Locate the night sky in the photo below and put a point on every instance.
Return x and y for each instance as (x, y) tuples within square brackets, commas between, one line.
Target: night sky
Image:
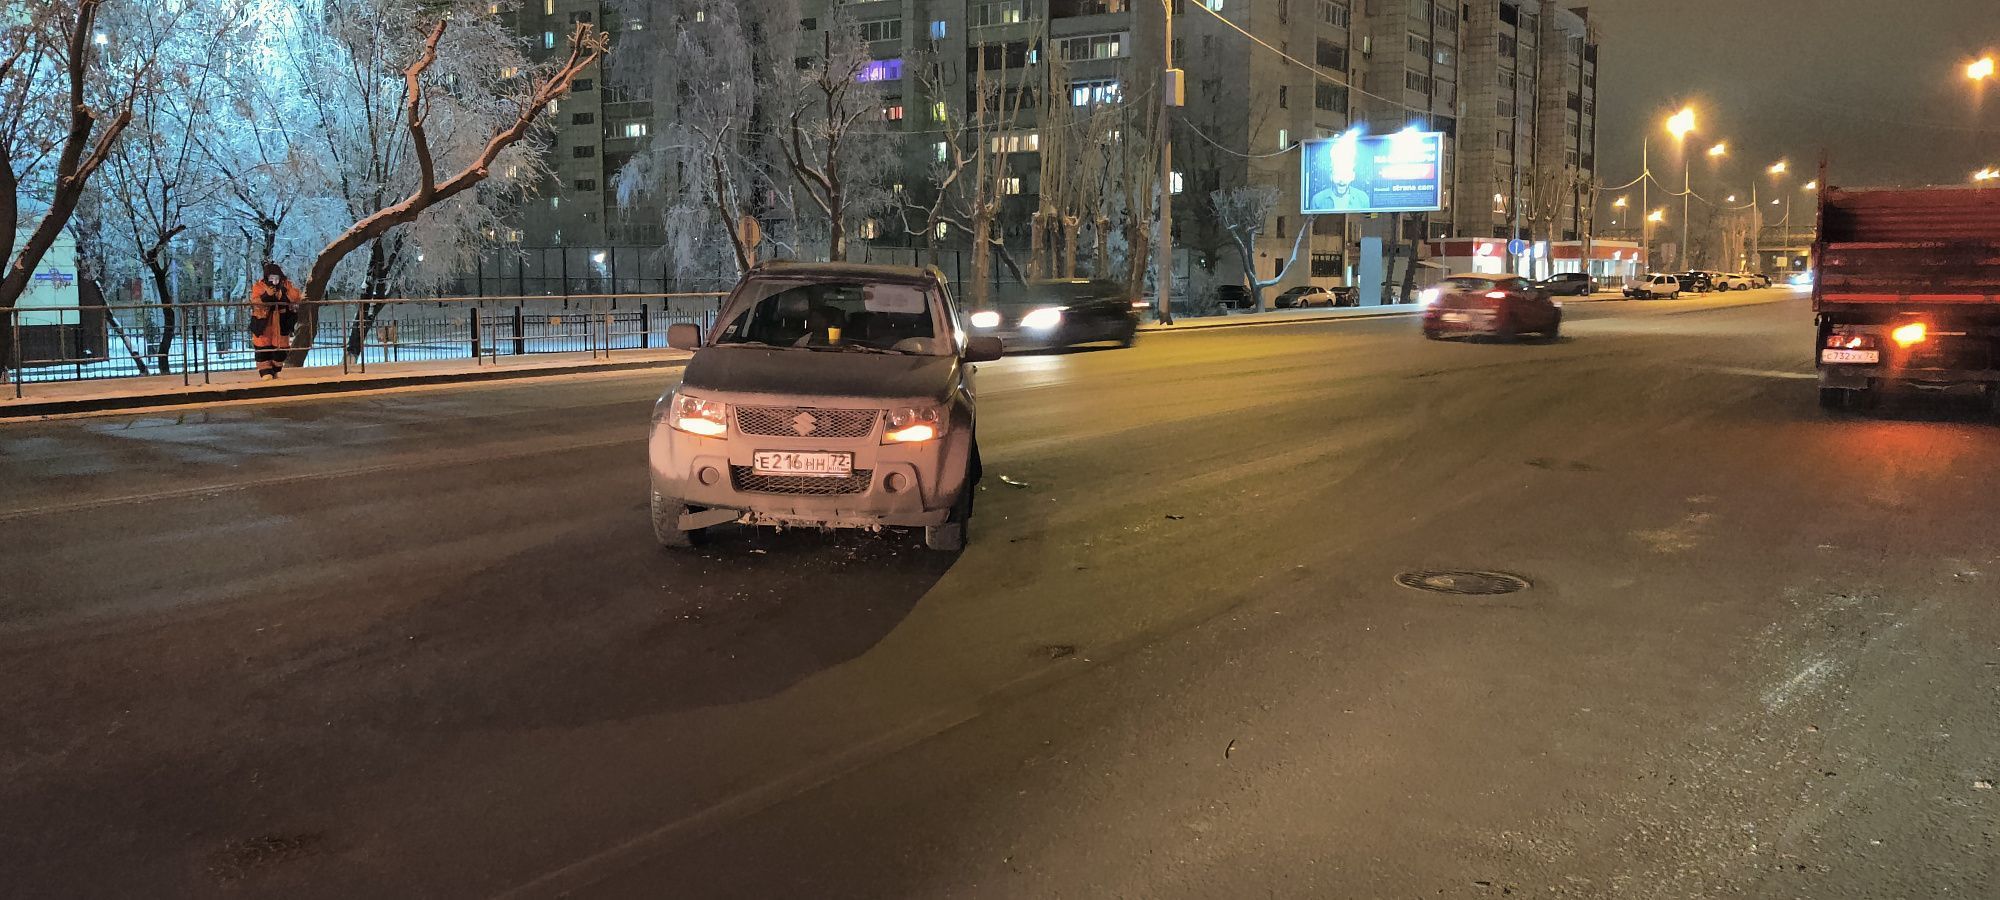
[(1879, 85)]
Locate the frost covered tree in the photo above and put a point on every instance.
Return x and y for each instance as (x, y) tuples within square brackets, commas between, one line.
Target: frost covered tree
[(1241, 212), (835, 142), (66, 97), (155, 186), (709, 161), (429, 118)]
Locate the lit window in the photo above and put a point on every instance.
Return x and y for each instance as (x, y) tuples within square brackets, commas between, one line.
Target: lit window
[(548, 7), (943, 228), (940, 112), (1010, 185), (548, 40), (555, 202), (1284, 138), (942, 150), (870, 229), (701, 15), (637, 129), (1176, 182), (892, 113), (881, 70), (1094, 92), (492, 9), (937, 29), (510, 71), (1214, 5)]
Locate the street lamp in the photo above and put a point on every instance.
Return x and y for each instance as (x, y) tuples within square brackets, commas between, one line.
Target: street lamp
[(1980, 69), (1780, 167), (1812, 186), (1679, 125), (1619, 203), (1721, 149), (1658, 215)]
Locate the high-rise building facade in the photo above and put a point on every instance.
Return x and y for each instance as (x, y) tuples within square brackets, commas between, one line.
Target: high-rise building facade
[(1511, 84)]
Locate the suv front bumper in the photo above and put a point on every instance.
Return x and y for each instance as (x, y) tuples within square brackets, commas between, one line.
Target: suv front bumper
[(892, 485)]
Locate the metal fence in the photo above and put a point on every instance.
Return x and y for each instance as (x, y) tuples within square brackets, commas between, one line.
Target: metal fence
[(199, 340)]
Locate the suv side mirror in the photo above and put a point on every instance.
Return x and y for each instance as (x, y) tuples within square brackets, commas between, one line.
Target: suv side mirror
[(684, 336), (982, 349)]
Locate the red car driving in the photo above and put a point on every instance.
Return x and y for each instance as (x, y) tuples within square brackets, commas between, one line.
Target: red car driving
[(1505, 306)]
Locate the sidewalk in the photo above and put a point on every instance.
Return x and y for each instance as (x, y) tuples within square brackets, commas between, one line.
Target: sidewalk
[(1285, 317), (159, 391), (55, 398)]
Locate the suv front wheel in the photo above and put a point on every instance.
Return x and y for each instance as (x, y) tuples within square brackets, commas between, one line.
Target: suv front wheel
[(667, 512), (950, 536)]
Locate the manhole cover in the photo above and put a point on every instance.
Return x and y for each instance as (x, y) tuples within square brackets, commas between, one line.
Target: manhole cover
[(1481, 583)]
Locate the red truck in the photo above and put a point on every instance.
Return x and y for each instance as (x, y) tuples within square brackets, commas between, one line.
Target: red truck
[(1906, 290)]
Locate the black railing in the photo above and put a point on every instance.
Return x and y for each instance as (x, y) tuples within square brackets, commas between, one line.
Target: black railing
[(199, 340)]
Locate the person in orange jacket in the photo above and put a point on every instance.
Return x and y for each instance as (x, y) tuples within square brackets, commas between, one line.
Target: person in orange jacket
[(274, 310)]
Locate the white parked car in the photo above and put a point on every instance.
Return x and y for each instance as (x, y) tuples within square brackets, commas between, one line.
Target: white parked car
[(1654, 287), (1734, 281)]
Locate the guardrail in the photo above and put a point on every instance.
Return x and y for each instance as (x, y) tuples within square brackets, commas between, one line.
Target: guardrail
[(199, 340)]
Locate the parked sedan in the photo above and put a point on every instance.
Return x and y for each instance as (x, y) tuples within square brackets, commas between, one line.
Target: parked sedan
[(1569, 284), (1696, 282), (1306, 296), (1503, 306), (1064, 312), (1759, 279), (1734, 281)]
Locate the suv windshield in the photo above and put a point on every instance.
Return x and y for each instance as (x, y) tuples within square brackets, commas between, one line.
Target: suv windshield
[(836, 315)]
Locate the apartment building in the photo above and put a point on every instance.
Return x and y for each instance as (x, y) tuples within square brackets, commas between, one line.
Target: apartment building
[(1511, 84)]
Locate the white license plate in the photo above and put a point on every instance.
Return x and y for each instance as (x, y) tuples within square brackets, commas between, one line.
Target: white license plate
[(1457, 317), (787, 462), (1850, 356)]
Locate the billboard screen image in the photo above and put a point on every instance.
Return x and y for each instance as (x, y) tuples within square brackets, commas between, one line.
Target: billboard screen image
[(1401, 172)]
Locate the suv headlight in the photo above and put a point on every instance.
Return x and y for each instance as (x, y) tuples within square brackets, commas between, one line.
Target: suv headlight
[(986, 318), (913, 425), (1046, 317), (707, 418)]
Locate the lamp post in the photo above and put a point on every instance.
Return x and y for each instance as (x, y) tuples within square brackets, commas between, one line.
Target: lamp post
[(1163, 268), (1679, 125)]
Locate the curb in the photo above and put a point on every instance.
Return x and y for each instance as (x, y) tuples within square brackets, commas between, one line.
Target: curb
[(1203, 323), (26, 409)]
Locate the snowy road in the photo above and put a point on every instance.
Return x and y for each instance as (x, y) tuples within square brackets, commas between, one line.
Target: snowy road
[(420, 643)]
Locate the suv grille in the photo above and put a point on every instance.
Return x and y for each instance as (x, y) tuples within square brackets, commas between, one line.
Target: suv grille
[(747, 479), (795, 421)]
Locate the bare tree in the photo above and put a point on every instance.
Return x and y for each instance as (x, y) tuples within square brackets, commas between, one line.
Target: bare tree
[(474, 136), (154, 182), (830, 128), (1242, 212), (53, 47)]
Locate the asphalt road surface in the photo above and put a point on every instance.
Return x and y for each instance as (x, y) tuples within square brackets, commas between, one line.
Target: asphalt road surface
[(422, 644)]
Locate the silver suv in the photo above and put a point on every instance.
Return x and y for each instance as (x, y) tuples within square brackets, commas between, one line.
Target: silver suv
[(831, 395)]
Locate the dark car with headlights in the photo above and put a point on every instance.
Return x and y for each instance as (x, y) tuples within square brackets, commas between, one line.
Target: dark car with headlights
[(1064, 312), (831, 395)]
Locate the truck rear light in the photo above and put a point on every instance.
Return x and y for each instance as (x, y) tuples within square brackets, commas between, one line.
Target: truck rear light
[(1841, 340), (1910, 335)]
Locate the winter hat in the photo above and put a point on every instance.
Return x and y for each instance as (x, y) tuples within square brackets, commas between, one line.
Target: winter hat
[(271, 268)]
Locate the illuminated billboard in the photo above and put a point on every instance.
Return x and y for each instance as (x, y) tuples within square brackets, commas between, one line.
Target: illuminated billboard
[(1401, 172)]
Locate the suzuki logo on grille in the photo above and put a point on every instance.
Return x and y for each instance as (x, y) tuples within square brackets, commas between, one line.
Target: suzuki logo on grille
[(804, 423)]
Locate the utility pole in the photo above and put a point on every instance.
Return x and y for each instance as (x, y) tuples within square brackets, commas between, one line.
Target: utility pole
[(1686, 262), (1646, 204), (1170, 96), (1756, 230)]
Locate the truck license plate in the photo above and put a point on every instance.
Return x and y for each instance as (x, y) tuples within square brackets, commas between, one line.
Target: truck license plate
[(787, 462), (1850, 356)]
